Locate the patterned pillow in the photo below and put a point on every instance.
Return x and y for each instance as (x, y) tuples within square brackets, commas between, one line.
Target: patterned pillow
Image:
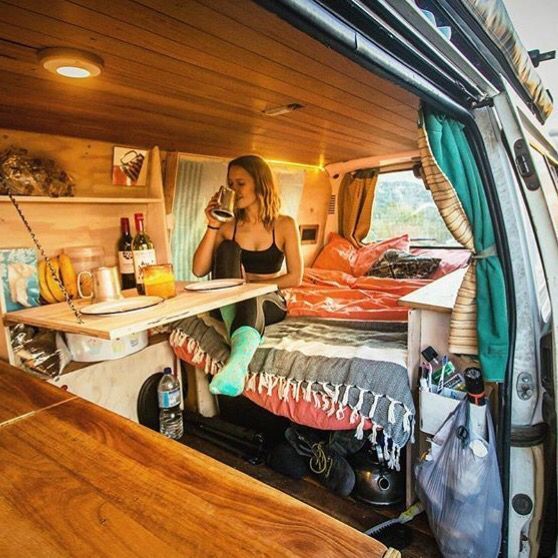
[(399, 264), (368, 254)]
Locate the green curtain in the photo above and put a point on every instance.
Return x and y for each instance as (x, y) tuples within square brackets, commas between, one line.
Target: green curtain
[(454, 157)]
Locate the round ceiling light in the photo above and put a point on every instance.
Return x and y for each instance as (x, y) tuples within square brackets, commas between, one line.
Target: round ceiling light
[(70, 62)]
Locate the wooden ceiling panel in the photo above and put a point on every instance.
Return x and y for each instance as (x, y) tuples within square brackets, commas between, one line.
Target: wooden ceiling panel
[(195, 76), (123, 89), (385, 122)]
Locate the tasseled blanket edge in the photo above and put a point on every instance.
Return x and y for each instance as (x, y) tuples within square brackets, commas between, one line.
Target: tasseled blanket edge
[(189, 350), (328, 400)]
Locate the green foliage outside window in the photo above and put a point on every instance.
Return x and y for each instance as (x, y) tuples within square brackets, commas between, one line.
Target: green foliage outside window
[(402, 205)]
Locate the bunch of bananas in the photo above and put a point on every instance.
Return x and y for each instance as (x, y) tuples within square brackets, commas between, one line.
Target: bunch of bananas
[(49, 287)]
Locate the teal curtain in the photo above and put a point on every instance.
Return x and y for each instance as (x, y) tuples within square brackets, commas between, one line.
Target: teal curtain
[(453, 154)]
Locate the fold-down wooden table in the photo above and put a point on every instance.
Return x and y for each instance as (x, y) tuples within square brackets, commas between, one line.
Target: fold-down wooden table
[(187, 303)]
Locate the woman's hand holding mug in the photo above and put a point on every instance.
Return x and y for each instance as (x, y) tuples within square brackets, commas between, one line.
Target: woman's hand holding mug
[(223, 210), (213, 203)]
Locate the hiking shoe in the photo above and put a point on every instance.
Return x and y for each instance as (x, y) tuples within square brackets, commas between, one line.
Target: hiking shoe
[(302, 439), (284, 459), (345, 443), (332, 469)]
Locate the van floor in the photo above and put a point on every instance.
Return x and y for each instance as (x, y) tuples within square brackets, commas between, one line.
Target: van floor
[(415, 541)]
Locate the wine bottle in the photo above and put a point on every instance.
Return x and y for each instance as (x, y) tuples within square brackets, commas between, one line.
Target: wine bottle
[(125, 256), (143, 252)]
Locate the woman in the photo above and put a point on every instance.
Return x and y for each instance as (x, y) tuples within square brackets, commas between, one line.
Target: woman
[(253, 245)]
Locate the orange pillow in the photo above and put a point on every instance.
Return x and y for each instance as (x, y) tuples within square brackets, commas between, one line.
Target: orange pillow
[(368, 255), (338, 254)]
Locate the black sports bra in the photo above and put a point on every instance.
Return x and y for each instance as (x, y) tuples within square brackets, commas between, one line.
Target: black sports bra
[(262, 262)]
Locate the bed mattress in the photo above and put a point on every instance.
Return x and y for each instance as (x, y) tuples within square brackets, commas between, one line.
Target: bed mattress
[(330, 374)]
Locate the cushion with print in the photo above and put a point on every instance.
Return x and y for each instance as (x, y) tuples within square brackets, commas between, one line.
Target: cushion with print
[(399, 264), (368, 254)]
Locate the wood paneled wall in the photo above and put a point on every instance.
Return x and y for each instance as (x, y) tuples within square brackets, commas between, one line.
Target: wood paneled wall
[(313, 209), (60, 226), (60, 223), (89, 162)]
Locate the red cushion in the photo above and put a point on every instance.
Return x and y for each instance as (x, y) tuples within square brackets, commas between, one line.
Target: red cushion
[(338, 254), (305, 412), (367, 255)]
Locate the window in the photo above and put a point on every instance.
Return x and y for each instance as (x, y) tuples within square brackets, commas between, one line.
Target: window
[(402, 205)]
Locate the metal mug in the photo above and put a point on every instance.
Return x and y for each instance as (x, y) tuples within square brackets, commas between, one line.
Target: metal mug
[(105, 284), (131, 163), (225, 205)]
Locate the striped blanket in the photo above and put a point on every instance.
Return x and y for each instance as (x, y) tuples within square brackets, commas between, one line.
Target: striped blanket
[(342, 367)]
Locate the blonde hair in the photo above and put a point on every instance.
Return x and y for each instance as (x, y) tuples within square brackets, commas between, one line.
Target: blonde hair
[(266, 189)]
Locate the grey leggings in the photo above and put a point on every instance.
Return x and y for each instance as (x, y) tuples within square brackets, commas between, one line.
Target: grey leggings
[(255, 312)]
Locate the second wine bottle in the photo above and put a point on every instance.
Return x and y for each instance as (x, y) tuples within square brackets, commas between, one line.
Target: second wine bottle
[(143, 251)]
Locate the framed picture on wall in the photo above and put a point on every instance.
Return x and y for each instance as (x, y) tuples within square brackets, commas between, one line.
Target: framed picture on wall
[(129, 166), (18, 279)]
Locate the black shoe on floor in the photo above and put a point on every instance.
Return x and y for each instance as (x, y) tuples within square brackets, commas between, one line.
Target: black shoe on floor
[(302, 439), (332, 469), (284, 459)]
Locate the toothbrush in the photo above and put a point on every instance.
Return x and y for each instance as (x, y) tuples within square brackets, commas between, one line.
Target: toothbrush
[(404, 517)]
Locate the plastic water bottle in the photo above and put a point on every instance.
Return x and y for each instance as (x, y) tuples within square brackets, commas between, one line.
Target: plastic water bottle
[(170, 414)]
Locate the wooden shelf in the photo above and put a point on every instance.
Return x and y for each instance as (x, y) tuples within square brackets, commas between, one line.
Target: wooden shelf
[(89, 218), (74, 365), (439, 295), (46, 199)]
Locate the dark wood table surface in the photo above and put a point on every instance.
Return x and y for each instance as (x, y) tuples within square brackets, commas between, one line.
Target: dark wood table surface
[(77, 480)]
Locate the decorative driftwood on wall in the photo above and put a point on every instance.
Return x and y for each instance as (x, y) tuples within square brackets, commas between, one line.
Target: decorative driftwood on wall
[(23, 174)]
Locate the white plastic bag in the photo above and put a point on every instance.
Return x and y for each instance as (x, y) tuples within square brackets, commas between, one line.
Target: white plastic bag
[(461, 490)]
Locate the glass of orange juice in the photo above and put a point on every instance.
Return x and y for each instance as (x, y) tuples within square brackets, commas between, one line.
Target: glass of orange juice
[(159, 280)]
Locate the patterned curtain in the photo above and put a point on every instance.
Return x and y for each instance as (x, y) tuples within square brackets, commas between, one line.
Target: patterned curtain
[(355, 199), (463, 334), (479, 322)]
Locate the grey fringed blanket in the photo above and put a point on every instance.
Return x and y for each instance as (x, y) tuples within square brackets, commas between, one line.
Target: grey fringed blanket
[(354, 367)]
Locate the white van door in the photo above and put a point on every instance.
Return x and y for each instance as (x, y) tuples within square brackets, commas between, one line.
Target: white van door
[(533, 389)]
